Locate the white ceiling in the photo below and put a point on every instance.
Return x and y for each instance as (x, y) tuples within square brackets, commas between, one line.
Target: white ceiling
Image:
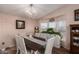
[(20, 9)]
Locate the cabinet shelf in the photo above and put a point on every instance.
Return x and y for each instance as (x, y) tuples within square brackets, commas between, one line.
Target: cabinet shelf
[(74, 38), (76, 44), (75, 32)]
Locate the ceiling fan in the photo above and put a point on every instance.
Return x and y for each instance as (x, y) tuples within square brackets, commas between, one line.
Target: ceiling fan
[(31, 10)]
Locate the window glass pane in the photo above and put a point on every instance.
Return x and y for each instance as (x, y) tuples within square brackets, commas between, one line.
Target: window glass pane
[(43, 26), (52, 24)]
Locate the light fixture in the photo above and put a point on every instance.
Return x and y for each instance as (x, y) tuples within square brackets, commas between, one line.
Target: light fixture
[(31, 10), (51, 19)]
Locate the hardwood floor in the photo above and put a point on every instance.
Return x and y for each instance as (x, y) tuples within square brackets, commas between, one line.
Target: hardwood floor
[(60, 51), (12, 50)]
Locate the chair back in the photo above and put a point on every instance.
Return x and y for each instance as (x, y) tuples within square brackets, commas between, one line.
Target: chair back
[(49, 46), (57, 42), (20, 44)]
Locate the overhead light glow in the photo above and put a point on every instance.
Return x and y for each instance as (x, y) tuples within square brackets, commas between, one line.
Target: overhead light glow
[(31, 10)]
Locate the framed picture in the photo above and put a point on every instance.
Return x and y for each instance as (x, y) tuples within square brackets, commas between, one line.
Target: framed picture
[(76, 14), (20, 24)]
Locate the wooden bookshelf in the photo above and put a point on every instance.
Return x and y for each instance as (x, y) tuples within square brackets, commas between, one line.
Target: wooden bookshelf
[(74, 38)]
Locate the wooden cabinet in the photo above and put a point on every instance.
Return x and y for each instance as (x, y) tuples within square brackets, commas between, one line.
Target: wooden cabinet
[(74, 38)]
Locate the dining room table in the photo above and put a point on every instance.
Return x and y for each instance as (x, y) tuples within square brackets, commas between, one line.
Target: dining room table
[(34, 44)]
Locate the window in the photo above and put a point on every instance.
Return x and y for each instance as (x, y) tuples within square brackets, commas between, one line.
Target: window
[(58, 25), (52, 24), (43, 26), (61, 26)]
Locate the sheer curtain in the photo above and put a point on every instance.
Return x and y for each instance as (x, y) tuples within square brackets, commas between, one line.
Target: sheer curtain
[(61, 27)]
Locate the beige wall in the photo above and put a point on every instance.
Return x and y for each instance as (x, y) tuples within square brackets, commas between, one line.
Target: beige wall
[(8, 29), (67, 12)]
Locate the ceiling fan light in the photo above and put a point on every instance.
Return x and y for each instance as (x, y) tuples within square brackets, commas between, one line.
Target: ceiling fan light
[(29, 12)]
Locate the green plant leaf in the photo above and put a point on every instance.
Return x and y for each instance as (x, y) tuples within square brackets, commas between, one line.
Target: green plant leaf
[(51, 31)]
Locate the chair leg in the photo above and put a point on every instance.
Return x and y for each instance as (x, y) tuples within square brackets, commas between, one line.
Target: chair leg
[(18, 51), (36, 52), (32, 51)]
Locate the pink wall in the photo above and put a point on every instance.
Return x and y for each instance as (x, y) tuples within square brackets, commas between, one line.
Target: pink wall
[(68, 13), (8, 29)]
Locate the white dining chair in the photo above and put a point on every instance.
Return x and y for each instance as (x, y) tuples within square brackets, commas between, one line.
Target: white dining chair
[(49, 46), (20, 44), (57, 42)]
